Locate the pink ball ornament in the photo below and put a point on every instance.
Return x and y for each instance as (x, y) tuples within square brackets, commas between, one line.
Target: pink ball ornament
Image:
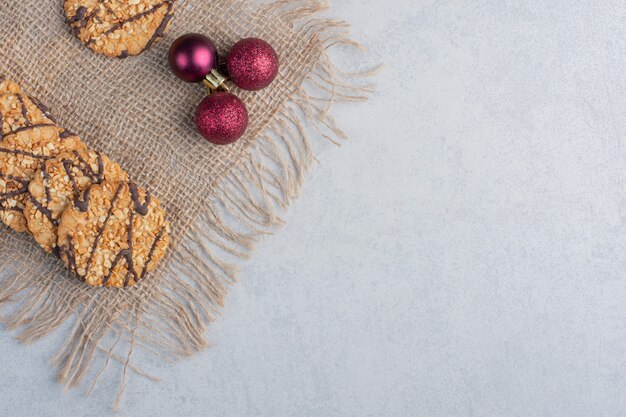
[(221, 118), (252, 64)]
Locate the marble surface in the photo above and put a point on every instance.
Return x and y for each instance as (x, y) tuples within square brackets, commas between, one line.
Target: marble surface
[(463, 255)]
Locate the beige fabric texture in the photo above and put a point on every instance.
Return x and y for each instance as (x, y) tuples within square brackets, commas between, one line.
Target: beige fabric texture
[(219, 200)]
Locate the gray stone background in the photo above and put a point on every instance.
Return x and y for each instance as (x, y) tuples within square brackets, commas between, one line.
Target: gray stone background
[(462, 255)]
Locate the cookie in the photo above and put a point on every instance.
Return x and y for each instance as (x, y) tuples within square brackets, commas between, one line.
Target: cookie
[(116, 237), (7, 86), (119, 28), (21, 153), (20, 112), (59, 182)]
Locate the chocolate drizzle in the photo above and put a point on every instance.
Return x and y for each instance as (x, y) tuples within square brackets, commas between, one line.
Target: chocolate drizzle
[(25, 153), (24, 110), (94, 177), (126, 254), (81, 19), (27, 126), (46, 177), (42, 108), (81, 203), (30, 127), (161, 29), (22, 181), (66, 134), (71, 255), (123, 255), (157, 239), (44, 210), (138, 16), (4, 208), (14, 193), (134, 194)]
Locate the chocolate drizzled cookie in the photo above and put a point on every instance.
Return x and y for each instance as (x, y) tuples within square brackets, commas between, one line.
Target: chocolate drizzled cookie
[(76, 202), (62, 181), (19, 112), (29, 137), (7, 86), (116, 237), (119, 28)]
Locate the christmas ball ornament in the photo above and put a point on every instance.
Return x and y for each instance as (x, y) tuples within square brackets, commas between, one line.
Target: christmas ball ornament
[(252, 64), (192, 57), (221, 118)]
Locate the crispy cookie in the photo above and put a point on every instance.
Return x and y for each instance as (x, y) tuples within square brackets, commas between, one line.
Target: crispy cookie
[(18, 112), (119, 28), (116, 237), (7, 86), (21, 153), (59, 182)]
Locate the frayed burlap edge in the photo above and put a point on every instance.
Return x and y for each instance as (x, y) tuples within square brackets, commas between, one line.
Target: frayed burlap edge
[(246, 204)]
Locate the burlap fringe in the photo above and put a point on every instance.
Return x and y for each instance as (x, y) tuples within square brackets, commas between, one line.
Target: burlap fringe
[(246, 204)]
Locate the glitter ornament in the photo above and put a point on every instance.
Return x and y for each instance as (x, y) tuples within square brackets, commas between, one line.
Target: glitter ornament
[(252, 64), (221, 118)]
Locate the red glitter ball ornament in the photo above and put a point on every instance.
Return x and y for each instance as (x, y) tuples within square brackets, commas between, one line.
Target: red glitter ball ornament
[(252, 64), (221, 118)]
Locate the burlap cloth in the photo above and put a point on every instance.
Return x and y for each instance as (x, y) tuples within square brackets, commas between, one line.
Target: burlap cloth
[(219, 199)]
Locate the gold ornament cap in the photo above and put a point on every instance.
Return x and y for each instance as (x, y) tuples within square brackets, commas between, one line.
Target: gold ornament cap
[(215, 81)]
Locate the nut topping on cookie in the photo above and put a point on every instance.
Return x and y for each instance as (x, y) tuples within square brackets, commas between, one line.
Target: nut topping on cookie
[(118, 239), (119, 28), (61, 181), (29, 137)]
